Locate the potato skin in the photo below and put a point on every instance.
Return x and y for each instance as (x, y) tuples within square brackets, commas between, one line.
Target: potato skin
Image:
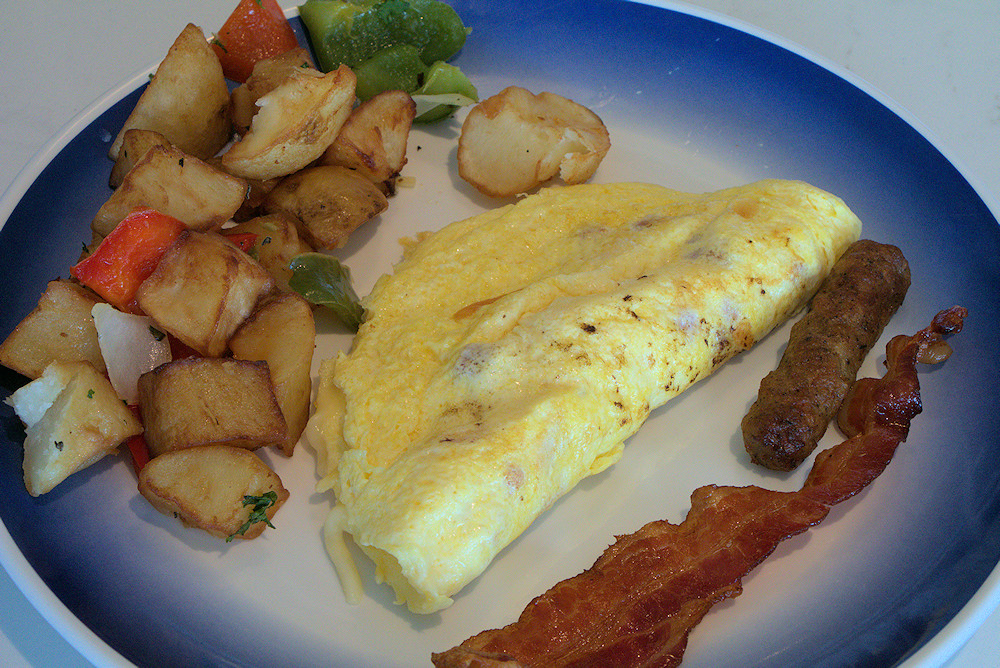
[(205, 487), (209, 401), (826, 347)]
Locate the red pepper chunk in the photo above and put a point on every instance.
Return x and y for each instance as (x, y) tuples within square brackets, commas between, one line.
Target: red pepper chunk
[(243, 240), (137, 445), (127, 256), (257, 29)]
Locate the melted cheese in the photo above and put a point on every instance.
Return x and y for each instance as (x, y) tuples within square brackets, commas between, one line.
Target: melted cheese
[(510, 355)]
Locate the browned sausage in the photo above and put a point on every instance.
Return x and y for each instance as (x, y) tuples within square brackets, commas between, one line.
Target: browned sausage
[(798, 399)]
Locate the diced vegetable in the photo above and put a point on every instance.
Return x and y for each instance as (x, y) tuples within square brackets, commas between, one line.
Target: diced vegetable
[(445, 89), (127, 256), (324, 281), (256, 29), (394, 68), (131, 345)]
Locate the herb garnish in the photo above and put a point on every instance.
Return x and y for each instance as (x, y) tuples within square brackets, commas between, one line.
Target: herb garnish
[(257, 514)]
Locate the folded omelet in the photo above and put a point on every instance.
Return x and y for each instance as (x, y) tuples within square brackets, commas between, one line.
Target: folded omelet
[(510, 355)]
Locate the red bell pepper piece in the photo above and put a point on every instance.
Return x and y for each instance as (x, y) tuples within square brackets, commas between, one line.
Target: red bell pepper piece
[(242, 240), (127, 256), (137, 446), (257, 29)]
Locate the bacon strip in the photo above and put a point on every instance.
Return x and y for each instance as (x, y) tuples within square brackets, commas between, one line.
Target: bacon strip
[(640, 600)]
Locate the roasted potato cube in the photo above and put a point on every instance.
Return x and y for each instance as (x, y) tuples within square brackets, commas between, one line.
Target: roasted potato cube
[(135, 143), (223, 490), (373, 139), (282, 333), (187, 100), (202, 290), (329, 201), (515, 141), (277, 243), (209, 401), (73, 417), (179, 185), (296, 123), (267, 75), (59, 329)]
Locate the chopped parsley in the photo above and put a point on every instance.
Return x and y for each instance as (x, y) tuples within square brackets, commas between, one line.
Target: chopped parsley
[(257, 514), (157, 334)]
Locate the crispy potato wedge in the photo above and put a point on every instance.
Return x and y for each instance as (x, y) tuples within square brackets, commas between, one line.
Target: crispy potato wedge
[(514, 141), (187, 100), (207, 487), (135, 144), (73, 417), (209, 401), (177, 184), (277, 243), (202, 290), (373, 139), (282, 333), (329, 201), (267, 75), (59, 329), (295, 123)]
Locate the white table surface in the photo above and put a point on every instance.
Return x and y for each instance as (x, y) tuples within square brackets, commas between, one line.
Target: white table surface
[(937, 59)]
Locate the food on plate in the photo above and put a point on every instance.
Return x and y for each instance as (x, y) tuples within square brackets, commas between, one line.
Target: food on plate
[(511, 354), (373, 139), (282, 333), (227, 491), (135, 143), (276, 242), (514, 141), (329, 201), (59, 329), (202, 289), (324, 281), (637, 604), (254, 31), (187, 100), (130, 346), (209, 401), (825, 350), (267, 75), (176, 184), (72, 418), (394, 44), (295, 124)]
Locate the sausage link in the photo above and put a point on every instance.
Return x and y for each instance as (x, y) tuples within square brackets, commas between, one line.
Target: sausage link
[(798, 399)]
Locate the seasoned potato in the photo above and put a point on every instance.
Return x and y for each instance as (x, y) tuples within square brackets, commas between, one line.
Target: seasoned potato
[(202, 290), (59, 329), (209, 401), (216, 488), (166, 179), (373, 139), (135, 144), (515, 141), (267, 75), (295, 124), (187, 100), (329, 201), (282, 333), (73, 418), (277, 243)]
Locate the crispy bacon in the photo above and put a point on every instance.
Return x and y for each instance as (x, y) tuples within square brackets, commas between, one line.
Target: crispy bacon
[(639, 602)]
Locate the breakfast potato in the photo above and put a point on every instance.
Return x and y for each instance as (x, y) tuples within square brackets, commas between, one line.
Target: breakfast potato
[(373, 139), (514, 141), (267, 75), (135, 144), (187, 100), (276, 244), (59, 329), (228, 492), (202, 290), (177, 184), (209, 401), (295, 124), (329, 201), (72, 418), (282, 333)]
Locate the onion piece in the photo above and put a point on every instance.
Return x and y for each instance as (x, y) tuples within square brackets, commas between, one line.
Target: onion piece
[(131, 346)]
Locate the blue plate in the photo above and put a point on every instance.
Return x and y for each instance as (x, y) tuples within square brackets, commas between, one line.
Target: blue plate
[(692, 104)]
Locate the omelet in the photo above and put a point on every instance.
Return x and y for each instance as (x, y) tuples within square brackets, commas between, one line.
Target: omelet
[(510, 355)]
